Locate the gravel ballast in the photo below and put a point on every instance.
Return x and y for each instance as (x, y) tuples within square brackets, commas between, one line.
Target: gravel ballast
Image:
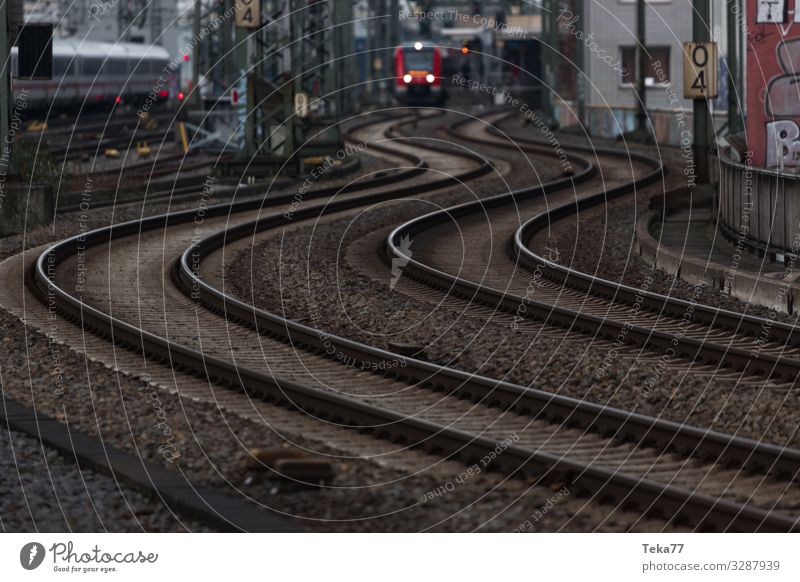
[(214, 445), (602, 239), (350, 302), (43, 492)]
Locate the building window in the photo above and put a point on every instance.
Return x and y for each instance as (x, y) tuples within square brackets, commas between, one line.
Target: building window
[(658, 74)]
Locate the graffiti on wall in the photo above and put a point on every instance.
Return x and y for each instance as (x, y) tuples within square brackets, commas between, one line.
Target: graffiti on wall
[(773, 82)]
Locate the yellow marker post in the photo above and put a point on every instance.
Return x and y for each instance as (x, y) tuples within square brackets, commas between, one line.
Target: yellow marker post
[(184, 138)]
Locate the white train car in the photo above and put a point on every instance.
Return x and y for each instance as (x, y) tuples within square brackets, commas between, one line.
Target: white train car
[(87, 73)]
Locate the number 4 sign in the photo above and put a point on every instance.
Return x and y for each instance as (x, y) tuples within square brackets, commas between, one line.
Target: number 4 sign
[(248, 13), (699, 70)]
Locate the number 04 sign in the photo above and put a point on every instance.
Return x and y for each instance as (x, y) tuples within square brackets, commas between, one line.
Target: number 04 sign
[(248, 13), (699, 70)]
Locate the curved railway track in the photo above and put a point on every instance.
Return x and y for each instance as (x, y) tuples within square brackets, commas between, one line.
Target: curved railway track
[(715, 339), (736, 334), (411, 166), (180, 180), (686, 474)]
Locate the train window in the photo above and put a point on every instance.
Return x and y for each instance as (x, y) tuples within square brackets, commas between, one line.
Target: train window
[(91, 66), (111, 66), (418, 60), (60, 66)]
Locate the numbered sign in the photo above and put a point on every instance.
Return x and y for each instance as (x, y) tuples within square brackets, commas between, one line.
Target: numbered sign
[(699, 70), (248, 13), (301, 105)]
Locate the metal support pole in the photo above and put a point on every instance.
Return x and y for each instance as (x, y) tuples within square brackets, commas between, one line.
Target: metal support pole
[(370, 48), (734, 80), (701, 33), (641, 68), (346, 63), (580, 73), (550, 35), (5, 82), (394, 40), (198, 7), (244, 40), (229, 67), (379, 50)]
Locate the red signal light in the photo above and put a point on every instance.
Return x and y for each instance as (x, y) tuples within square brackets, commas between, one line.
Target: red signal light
[(118, 99), (464, 50), (180, 96), (185, 57), (235, 96)]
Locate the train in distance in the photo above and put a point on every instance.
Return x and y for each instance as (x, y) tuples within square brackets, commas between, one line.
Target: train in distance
[(418, 70), (87, 73)]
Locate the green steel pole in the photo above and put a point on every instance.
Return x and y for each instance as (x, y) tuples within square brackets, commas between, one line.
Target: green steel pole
[(641, 62), (734, 81), (550, 35), (198, 6), (5, 79), (580, 63), (394, 40), (243, 42)]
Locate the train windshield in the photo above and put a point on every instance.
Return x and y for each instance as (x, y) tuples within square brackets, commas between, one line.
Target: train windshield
[(418, 60)]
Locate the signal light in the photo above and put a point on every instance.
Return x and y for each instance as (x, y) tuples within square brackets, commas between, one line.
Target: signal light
[(163, 93), (464, 50), (235, 96), (118, 99), (406, 78), (185, 57), (430, 78), (418, 46), (180, 96)]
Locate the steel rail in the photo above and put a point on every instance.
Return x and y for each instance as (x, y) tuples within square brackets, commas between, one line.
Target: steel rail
[(713, 316), (719, 318), (626, 490), (725, 449)]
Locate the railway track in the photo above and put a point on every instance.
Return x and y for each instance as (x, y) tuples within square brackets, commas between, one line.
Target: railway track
[(74, 138), (182, 179), (676, 471), (734, 335), (717, 341), (105, 182), (269, 323), (412, 167)]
